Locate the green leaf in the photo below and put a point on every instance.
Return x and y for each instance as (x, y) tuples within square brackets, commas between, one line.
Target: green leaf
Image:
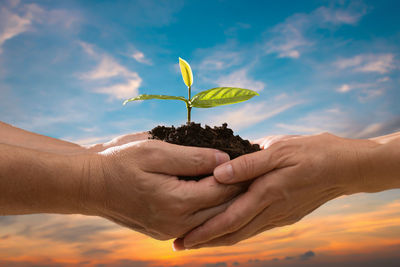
[(147, 97), (221, 96), (186, 71)]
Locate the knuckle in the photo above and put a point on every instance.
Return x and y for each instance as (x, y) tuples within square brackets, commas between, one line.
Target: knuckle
[(246, 166), (144, 146), (198, 161), (232, 222)]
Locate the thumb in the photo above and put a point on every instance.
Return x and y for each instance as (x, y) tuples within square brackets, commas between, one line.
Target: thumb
[(162, 157), (246, 167)]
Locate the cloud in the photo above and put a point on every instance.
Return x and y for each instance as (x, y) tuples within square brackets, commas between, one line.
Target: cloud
[(120, 83), (217, 264), (7, 220), (240, 79), (233, 31), (122, 90), (4, 237), (220, 59), (107, 68), (127, 263), (11, 25), (307, 255), (379, 128), (379, 63), (252, 113), (66, 233), (18, 18), (62, 228), (365, 91), (290, 38), (344, 88), (140, 57), (384, 79), (341, 122), (96, 252)]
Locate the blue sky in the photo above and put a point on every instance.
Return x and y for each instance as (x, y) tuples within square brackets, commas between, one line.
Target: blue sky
[(67, 66)]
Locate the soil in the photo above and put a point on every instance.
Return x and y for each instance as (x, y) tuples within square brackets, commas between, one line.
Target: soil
[(221, 138)]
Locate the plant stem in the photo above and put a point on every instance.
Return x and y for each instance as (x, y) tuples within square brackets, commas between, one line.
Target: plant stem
[(188, 114), (189, 108)]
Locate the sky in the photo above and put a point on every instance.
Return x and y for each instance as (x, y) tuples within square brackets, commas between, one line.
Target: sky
[(67, 66)]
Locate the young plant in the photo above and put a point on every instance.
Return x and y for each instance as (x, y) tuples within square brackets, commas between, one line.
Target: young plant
[(206, 99)]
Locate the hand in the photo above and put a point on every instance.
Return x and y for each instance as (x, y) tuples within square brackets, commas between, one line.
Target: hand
[(291, 178), (135, 185)]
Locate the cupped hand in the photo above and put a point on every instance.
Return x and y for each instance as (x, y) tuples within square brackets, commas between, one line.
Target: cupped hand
[(289, 179), (136, 185)]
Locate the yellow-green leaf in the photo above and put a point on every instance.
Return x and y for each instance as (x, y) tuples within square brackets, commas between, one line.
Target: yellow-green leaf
[(147, 97), (221, 96), (186, 71)]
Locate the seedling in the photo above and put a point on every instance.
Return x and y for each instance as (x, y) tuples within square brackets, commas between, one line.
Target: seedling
[(206, 99)]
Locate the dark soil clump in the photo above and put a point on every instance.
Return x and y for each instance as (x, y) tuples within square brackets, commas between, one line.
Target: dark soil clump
[(193, 134)]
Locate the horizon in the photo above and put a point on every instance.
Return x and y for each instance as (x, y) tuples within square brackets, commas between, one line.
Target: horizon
[(319, 66)]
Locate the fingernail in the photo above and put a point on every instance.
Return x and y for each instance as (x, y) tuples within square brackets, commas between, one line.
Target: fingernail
[(224, 173), (221, 157)]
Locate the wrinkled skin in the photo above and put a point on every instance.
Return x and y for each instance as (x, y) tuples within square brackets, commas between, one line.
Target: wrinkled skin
[(290, 178), (137, 187)]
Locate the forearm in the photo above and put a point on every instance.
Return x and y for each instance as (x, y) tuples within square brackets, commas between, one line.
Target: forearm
[(17, 137), (38, 182), (379, 165)]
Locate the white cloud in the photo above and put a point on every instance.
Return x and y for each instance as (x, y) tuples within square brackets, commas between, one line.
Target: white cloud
[(383, 79), (344, 88), (140, 57), (240, 79), (288, 39), (251, 114), (342, 122), (370, 130), (299, 128), (220, 60), (108, 69), (88, 48), (380, 63), (11, 25), (19, 18), (122, 90), (340, 16), (365, 91)]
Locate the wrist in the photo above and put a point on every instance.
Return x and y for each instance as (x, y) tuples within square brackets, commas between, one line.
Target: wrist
[(382, 171), (373, 167), (348, 161)]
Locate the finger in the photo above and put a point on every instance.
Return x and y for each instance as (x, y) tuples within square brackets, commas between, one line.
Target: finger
[(245, 167), (258, 225), (243, 210), (208, 193), (162, 157), (199, 218), (231, 239), (177, 245)]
